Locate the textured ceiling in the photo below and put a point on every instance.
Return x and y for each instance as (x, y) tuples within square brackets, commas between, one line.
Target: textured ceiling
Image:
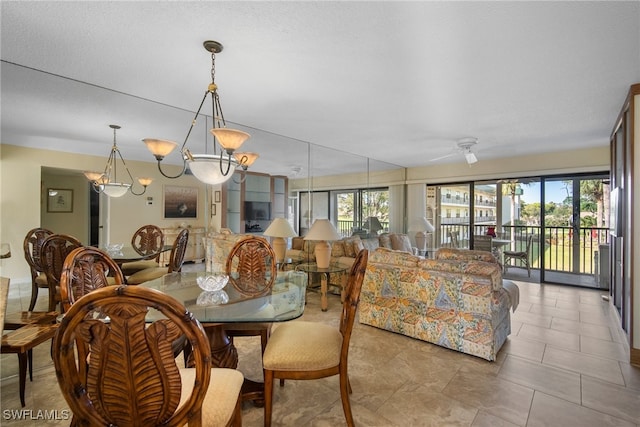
[(399, 82)]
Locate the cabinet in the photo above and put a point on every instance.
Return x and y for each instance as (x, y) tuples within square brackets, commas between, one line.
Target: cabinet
[(195, 245), (260, 189)]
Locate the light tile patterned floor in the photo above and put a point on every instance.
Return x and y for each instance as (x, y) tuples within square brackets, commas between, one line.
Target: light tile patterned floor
[(565, 364)]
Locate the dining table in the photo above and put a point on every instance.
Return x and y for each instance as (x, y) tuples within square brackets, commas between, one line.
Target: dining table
[(215, 309), (127, 253)]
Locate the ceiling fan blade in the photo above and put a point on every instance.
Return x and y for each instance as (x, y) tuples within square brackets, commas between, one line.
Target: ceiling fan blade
[(443, 157)]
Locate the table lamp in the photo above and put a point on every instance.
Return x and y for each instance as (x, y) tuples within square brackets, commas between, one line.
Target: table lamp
[(424, 227), (373, 225), (279, 229), (323, 231)]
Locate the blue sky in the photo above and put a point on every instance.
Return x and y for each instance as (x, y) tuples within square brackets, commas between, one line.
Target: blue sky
[(554, 192)]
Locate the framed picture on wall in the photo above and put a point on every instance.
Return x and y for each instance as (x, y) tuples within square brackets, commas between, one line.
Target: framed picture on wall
[(59, 200), (180, 202)]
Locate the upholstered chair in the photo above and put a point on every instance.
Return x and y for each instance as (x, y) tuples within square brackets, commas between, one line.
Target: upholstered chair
[(32, 245), (175, 262), (147, 240), (131, 376), (300, 350)]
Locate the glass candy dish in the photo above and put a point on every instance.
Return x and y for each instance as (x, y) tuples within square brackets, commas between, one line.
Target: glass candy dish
[(214, 282), (212, 298), (114, 247)]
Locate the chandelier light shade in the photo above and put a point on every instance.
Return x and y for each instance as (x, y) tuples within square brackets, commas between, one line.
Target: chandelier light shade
[(323, 231), (107, 181), (279, 229), (226, 160)]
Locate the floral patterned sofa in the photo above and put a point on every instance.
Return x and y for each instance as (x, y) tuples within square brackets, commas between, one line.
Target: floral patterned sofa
[(344, 251), (456, 300)]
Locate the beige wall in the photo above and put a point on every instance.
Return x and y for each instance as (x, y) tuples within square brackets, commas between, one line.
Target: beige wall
[(23, 202)]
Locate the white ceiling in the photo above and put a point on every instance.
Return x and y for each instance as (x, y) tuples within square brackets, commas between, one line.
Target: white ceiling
[(399, 82)]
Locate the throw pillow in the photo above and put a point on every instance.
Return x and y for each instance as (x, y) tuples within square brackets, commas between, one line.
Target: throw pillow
[(358, 245), (400, 242), (337, 249), (297, 243), (385, 240), (349, 249)]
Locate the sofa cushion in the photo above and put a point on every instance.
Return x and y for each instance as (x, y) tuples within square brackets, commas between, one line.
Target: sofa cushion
[(489, 270), (389, 256), (297, 243), (384, 240), (400, 242), (371, 244), (464, 255), (349, 248), (337, 249)]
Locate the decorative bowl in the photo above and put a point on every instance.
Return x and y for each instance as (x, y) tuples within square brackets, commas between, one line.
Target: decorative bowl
[(214, 282), (114, 247), (212, 298)]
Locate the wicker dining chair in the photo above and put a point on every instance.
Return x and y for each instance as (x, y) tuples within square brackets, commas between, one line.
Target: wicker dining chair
[(252, 270), (524, 257), (32, 245), (131, 377), (147, 240), (176, 259), (54, 251), (301, 350)]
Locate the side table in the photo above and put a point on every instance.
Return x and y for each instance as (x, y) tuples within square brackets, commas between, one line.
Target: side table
[(324, 280)]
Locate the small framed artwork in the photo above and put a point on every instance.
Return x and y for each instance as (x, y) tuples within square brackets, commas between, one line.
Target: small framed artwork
[(59, 200), (217, 197), (213, 209), (180, 202)]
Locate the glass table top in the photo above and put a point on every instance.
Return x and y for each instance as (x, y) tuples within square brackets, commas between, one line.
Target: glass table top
[(285, 301)]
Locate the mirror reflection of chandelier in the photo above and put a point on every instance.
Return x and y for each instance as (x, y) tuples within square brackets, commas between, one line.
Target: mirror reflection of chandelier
[(209, 168), (107, 181)]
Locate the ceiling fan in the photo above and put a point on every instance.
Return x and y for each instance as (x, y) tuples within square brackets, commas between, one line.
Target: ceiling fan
[(464, 146)]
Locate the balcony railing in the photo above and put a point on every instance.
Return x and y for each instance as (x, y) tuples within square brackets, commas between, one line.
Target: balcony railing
[(558, 248)]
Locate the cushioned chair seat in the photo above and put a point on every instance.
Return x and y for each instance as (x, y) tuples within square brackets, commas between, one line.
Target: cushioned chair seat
[(41, 280), (222, 394), (146, 275), (129, 268), (303, 346)]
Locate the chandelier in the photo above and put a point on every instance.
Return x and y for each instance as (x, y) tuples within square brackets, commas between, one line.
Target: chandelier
[(209, 168), (107, 181)]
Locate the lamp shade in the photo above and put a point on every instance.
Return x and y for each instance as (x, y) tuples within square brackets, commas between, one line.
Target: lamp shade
[(229, 139), (279, 227), (206, 168), (159, 147), (322, 229), (116, 189), (373, 224)]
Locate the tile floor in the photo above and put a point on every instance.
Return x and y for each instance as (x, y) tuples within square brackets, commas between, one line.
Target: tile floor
[(565, 364)]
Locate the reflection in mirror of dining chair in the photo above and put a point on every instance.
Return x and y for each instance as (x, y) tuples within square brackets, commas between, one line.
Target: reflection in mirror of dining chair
[(147, 240), (176, 259), (144, 386), (252, 270), (301, 350), (55, 249), (32, 246)]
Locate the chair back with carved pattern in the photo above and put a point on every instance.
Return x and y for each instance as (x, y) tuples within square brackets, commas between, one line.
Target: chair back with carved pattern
[(251, 266), (55, 249), (178, 250), (32, 246), (132, 377), (148, 239), (84, 270)]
